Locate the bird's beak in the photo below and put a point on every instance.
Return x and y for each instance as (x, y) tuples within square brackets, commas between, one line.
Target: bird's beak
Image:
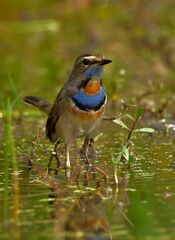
[(105, 61)]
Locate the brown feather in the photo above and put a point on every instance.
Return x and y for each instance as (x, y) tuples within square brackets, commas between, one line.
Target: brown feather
[(39, 103)]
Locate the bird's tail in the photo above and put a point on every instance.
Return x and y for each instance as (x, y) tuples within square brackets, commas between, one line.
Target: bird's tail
[(39, 103)]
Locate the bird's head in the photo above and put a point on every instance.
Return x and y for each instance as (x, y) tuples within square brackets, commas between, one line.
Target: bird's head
[(90, 65)]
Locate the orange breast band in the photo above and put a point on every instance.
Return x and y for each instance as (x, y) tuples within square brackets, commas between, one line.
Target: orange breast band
[(87, 115), (92, 88)]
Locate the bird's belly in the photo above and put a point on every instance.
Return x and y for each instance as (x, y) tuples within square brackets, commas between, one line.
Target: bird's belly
[(74, 124)]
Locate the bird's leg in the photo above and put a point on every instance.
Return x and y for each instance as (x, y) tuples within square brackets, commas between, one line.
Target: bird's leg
[(54, 154), (85, 148), (67, 156), (50, 162), (91, 144)]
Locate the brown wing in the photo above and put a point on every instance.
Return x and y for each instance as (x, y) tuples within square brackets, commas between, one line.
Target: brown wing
[(67, 91), (52, 119)]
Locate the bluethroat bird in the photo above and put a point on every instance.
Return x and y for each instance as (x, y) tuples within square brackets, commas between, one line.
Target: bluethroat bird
[(79, 106)]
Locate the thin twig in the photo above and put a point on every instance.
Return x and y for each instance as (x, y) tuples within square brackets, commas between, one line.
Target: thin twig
[(125, 107)]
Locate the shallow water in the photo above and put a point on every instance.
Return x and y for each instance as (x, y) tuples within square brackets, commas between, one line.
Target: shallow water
[(81, 204)]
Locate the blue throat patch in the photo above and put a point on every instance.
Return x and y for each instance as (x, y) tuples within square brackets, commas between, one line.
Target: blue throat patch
[(90, 102), (95, 70)]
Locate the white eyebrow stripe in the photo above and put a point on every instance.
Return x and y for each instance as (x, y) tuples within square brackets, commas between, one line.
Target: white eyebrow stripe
[(90, 57)]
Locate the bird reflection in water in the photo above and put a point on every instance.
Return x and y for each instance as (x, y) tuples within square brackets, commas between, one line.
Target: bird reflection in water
[(83, 217)]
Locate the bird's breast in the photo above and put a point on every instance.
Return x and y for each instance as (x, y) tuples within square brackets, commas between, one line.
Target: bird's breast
[(92, 88), (86, 101)]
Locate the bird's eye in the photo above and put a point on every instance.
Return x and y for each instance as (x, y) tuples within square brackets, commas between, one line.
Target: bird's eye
[(86, 62)]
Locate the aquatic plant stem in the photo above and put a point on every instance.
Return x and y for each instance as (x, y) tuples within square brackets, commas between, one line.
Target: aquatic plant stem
[(6, 166), (130, 133), (115, 175), (10, 152)]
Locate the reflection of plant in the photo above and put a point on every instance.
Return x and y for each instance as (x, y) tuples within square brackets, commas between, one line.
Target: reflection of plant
[(124, 154)]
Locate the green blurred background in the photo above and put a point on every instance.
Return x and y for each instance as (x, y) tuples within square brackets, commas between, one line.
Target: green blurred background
[(40, 40)]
